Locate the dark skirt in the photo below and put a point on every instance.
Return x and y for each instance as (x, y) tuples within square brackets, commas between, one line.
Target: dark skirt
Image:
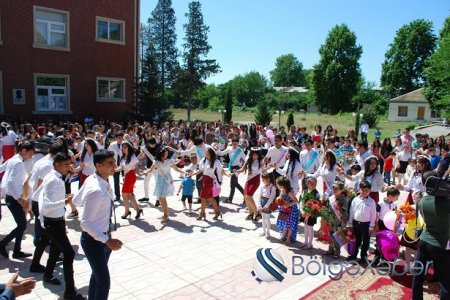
[(251, 186), (207, 187)]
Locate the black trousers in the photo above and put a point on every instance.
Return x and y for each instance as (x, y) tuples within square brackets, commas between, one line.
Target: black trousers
[(275, 176), (56, 232), (234, 184), (361, 230), (198, 183), (441, 265), (116, 177)]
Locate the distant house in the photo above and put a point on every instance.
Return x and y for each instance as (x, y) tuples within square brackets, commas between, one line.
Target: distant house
[(411, 107)]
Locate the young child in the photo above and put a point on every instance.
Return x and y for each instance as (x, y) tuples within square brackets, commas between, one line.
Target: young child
[(309, 221), (187, 185), (267, 195), (410, 170), (387, 205), (338, 204), (362, 217), (434, 159), (287, 221), (388, 168)]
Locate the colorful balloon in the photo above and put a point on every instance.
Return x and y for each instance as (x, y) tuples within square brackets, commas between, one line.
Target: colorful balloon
[(388, 244), (411, 226), (389, 220)]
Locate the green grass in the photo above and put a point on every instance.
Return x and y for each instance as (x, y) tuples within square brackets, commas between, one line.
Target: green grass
[(342, 122)]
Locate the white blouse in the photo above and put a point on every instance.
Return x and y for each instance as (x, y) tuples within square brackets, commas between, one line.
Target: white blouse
[(376, 180), (415, 184), (293, 176), (88, 164), (205, 167), (328, 176), (256, 170), (127, 167)]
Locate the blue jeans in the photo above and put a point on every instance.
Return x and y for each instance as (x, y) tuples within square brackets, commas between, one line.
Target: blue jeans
[(97, 254), (19, 216), (387, 177)]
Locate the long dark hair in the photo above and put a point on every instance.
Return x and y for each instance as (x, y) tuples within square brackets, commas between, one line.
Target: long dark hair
[(294, 156), (130, 152), (332, 158), (426, 165), (249, 159), (160, 153), (212, 157), (367, 171), (91, 143)]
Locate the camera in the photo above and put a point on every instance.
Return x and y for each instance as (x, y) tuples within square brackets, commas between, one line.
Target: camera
[(438, 186)]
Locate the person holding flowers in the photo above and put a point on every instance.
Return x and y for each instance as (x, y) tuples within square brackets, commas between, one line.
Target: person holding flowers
[(338, 212), (310, 205), (287, 222)]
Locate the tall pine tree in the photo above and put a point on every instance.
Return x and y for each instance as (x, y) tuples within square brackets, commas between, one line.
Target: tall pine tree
[(161, 28), (196, 66), (229, 103)]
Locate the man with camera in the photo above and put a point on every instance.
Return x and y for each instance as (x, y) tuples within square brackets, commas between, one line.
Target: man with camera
[(434, 243)]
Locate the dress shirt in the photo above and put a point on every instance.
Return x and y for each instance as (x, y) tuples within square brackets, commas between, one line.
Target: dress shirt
[(383, 207), (269, 192), (51, 195), (117, 149), (277, 155), (403, 156), (14, 177), (231, 152), (376, 180), (9, 139), (40, 169), (415, 184), (361, 158), (96, 195), (328, 176), (127, 167), (364, 128), (305, 155), (202, 149), (88, 164), (254, 169), (205, 167), (292, 175), (363, 210)]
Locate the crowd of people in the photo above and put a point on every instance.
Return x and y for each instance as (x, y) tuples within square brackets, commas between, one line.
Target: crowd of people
[(281, 167)]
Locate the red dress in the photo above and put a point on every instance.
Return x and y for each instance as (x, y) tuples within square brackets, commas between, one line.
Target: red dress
[(129, 181), (207, 187), (252, 185)]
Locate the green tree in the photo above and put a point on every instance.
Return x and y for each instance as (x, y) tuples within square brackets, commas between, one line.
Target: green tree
[(150, 103), (196, 66), (437, 74), (402, 69), (288, 72), (229, 104), (290, 120), (249, 88), (336, 77), (263, 114), (162, 36)]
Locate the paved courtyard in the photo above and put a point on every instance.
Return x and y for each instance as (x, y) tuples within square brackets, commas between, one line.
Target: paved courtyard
[(182, 259)]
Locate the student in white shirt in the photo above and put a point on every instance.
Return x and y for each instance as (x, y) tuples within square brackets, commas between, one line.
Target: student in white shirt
[(292, 169), (277, 154), (266, 198), (87, 167), (116, 147), (97, 197), (328, 171), (129, 165), (52, 201), (309, 158), (12, 188), (362, 218)]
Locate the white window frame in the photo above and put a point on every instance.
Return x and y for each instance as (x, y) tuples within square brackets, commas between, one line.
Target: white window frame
[(109, 79), (66, 93), (109, 20), (49, 30), (403, 107)]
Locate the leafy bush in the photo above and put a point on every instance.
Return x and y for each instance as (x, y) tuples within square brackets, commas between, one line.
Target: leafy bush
[(370, 115), (290, 120)]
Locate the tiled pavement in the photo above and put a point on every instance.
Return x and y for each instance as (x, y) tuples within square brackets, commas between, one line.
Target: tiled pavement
[(182, 259)]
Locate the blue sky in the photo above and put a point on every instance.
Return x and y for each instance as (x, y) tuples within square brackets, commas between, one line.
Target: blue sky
[(248, 35)]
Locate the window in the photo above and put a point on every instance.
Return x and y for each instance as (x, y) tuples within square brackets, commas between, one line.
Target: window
[(403, 111), (52, 93), (110, 30), (435, 114), (110, 89), (51, 28)]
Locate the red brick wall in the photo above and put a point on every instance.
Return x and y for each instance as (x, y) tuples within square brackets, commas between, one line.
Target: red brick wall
[(86, 60)]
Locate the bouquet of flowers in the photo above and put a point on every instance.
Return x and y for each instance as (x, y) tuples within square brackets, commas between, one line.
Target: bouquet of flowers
[(407, 211), (280, 201)]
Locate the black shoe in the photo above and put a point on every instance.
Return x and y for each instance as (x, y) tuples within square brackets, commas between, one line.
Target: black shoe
[(157, 203), (37, 269), (117, 200), (52, 280), (362, 261), (144, 200), (74, 296), (21, 254), (3, 251), (350, 258)]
